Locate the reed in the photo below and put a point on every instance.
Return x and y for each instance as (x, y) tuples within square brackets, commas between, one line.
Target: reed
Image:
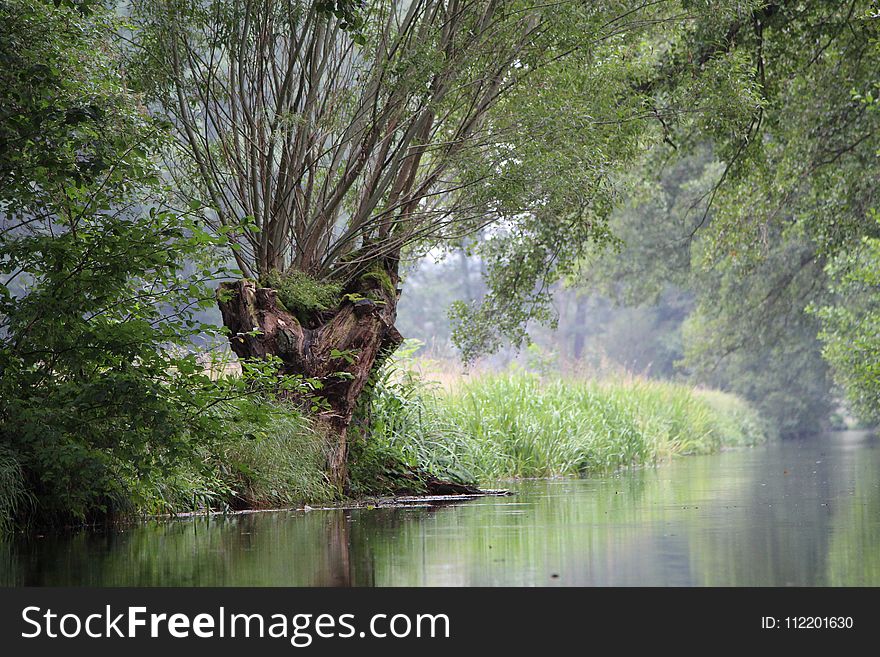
[(13, 491), (519, 424)]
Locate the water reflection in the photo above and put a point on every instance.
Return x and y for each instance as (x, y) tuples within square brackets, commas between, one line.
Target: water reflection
[(797, 513)]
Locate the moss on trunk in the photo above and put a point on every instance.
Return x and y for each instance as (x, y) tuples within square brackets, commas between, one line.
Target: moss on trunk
[(339, 346)]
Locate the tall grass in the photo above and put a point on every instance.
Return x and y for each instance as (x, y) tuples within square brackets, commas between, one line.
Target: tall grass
[(280, 464), (272, 463), (13, 491), (399, 436), (522, 425)]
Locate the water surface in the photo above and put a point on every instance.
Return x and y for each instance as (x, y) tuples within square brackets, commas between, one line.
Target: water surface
[(802, 513)]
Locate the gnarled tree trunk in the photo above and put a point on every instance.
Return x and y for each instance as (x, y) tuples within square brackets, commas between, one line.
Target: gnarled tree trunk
[(361, 329)]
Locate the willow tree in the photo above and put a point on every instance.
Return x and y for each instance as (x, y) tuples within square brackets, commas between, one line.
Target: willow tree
[(328, 139)]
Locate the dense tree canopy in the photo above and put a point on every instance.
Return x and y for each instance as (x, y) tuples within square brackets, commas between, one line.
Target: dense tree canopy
[(315, 140), (770, 222), (320, 145), (799, 190)]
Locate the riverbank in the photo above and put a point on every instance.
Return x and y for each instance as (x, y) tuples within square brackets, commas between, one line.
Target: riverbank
[(521, 425), (501, 426)]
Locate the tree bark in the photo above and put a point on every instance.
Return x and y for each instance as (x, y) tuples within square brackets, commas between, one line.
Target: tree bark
[(361, 329)]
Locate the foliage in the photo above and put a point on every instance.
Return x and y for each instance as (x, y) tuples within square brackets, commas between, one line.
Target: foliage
[(623, 111), (85, 391), (313, 140), (806, 167), (740, 328), (13, 489), (103, 407), (398, 438), (851, 327), (752, 334), (793, 193), (423, 125), (646, 338), (279, 463), (851, 322), (53, 105)]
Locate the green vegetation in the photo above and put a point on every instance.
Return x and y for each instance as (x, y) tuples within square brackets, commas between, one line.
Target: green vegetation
[(523, 425), (104, 408), (137, 173), (303, 295), (752, 215), (380, 277), (96, 394), (275, 464), (851, 324), (13, 489), (417, 126), (273, 458), (744, 329), (793, 194)]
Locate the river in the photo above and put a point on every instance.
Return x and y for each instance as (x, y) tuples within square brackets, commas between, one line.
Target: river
[(791, 513)]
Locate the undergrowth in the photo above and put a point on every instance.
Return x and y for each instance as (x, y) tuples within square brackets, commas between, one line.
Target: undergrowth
[(520, 424)]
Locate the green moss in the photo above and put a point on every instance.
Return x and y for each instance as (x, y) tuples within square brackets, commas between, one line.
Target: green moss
[(371, 295), (301, 294), (381, 277)]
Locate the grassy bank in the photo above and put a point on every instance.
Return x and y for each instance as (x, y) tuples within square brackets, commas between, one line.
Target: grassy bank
[(268, 456), (274, 463), (522, 425), (492, 427)]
